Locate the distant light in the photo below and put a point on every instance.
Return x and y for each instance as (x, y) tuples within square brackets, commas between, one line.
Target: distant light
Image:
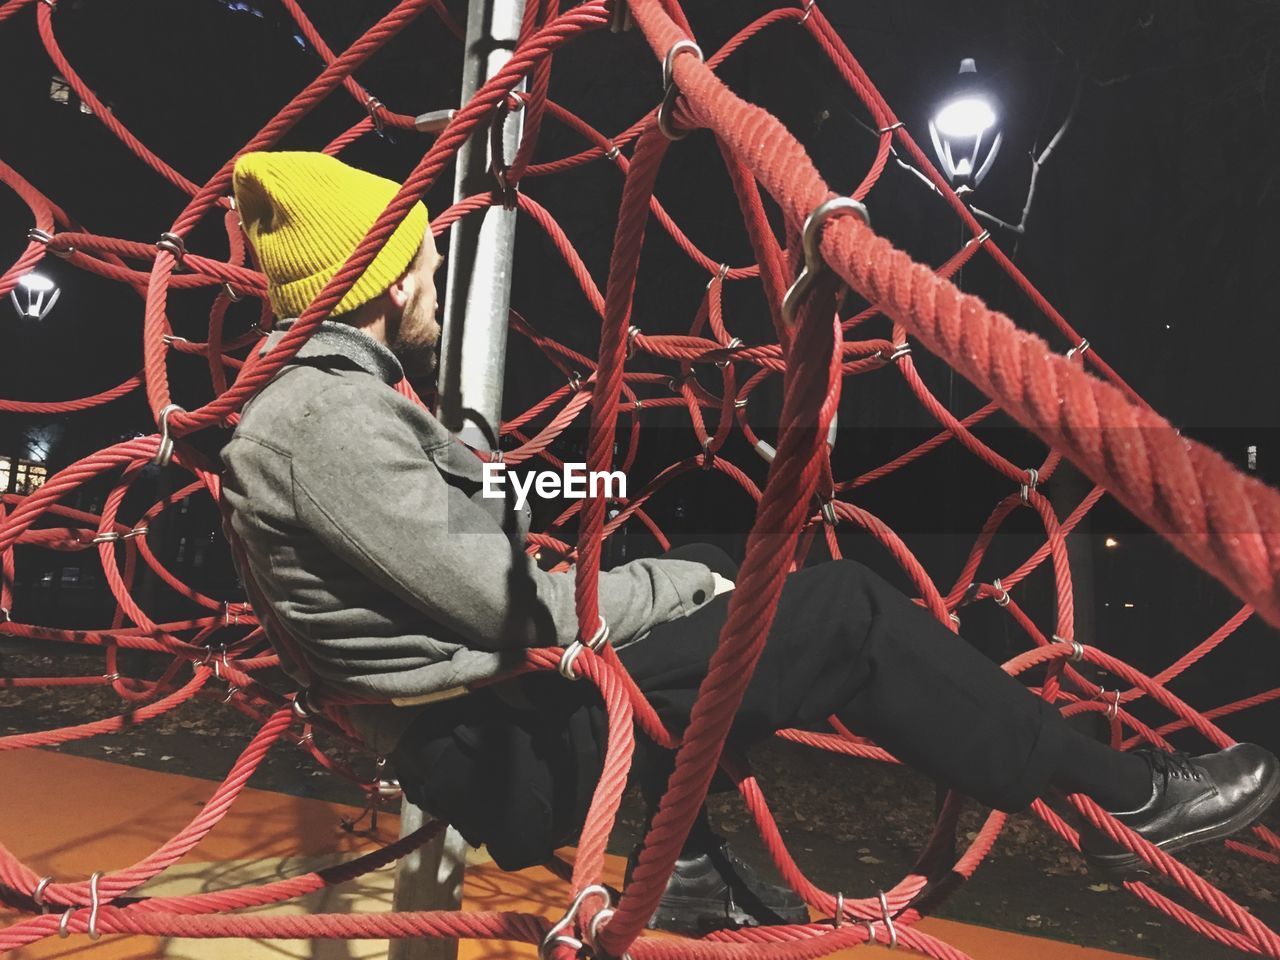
[(965, 131), (41, 439), (59, 90), (1251, 456), (1168, 327), (1128, 606), (39, 294), (1111, 543)]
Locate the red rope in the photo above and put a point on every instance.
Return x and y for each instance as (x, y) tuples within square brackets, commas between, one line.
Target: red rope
[(1222, 519)]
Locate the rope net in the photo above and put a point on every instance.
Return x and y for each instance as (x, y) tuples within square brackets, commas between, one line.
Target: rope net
[(1064, 393)]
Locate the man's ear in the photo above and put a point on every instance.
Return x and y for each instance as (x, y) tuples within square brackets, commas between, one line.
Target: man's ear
[(398, 292)]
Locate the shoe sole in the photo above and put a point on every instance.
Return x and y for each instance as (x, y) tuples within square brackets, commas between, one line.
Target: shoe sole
[(1130, 866)]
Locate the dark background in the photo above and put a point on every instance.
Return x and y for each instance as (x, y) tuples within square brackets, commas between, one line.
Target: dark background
[(1152, 231)]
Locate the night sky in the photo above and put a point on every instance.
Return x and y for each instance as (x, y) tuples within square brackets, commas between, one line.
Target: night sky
[(1153, 230)]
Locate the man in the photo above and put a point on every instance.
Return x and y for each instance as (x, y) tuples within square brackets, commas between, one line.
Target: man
[(365, 531)]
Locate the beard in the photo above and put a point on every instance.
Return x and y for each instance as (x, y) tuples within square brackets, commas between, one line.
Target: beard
[(416, 339), (417, 356)]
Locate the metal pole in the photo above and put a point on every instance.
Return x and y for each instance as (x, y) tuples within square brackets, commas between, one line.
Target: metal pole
[(478, 299), (430, 878), (472, 355)]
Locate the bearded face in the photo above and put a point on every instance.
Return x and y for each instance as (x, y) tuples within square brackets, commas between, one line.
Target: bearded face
[(414, 335)]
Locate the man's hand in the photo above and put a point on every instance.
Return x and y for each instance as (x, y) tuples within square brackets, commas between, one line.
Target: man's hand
[(722, 585)]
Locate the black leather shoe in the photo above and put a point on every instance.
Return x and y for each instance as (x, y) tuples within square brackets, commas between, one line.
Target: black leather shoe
[(1193, 800), (716, 891)]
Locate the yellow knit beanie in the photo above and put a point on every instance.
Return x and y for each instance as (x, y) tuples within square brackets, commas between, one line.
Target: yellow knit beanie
[(305, 213)]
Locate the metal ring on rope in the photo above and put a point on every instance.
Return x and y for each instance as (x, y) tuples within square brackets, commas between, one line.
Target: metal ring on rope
[(38, 895), (571, 652), (173, 244), (669, 89), (373, 105), (165, 452), (708, 454), (513, 102), (36, 235), (1113, 708), (1029, 487), (593, 930), (888, 920), (1077, 648), (1002, 598), (94, 903), (301, 708), (734, 344), (556, 936), (899, 351), (813, 262), (112, 537), (1080, 348), (829, 514)]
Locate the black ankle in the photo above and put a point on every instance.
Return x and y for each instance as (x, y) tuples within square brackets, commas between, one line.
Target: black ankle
[(1113, 779)]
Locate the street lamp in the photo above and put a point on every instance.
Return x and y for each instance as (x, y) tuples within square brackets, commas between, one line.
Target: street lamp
[(39, 294), (965, 131)]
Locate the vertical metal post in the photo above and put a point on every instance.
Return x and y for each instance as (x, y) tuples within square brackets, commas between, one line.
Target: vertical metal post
[(472, 355), (478, 299), (430, 878)]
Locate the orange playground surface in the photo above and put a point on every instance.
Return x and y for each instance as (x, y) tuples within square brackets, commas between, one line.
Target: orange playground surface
[(69, 816)]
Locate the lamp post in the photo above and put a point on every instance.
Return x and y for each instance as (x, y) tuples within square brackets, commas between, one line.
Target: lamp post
[(38, 295), (966, 130)]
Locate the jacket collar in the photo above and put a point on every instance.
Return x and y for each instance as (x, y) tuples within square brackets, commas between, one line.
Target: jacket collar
[(332, 339)]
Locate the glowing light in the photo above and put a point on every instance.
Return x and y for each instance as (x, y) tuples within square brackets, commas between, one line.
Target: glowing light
[(39, 294), (1111, 543), (965, 117), (36, 283), (965, 131)]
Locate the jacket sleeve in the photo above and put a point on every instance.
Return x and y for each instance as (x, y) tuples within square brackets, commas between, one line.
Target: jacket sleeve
[(366, 488)]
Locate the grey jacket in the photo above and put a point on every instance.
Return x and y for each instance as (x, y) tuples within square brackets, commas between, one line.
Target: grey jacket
[(364, 527)]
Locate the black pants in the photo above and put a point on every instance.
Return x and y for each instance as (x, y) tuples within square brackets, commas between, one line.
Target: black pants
[(513, 766)]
